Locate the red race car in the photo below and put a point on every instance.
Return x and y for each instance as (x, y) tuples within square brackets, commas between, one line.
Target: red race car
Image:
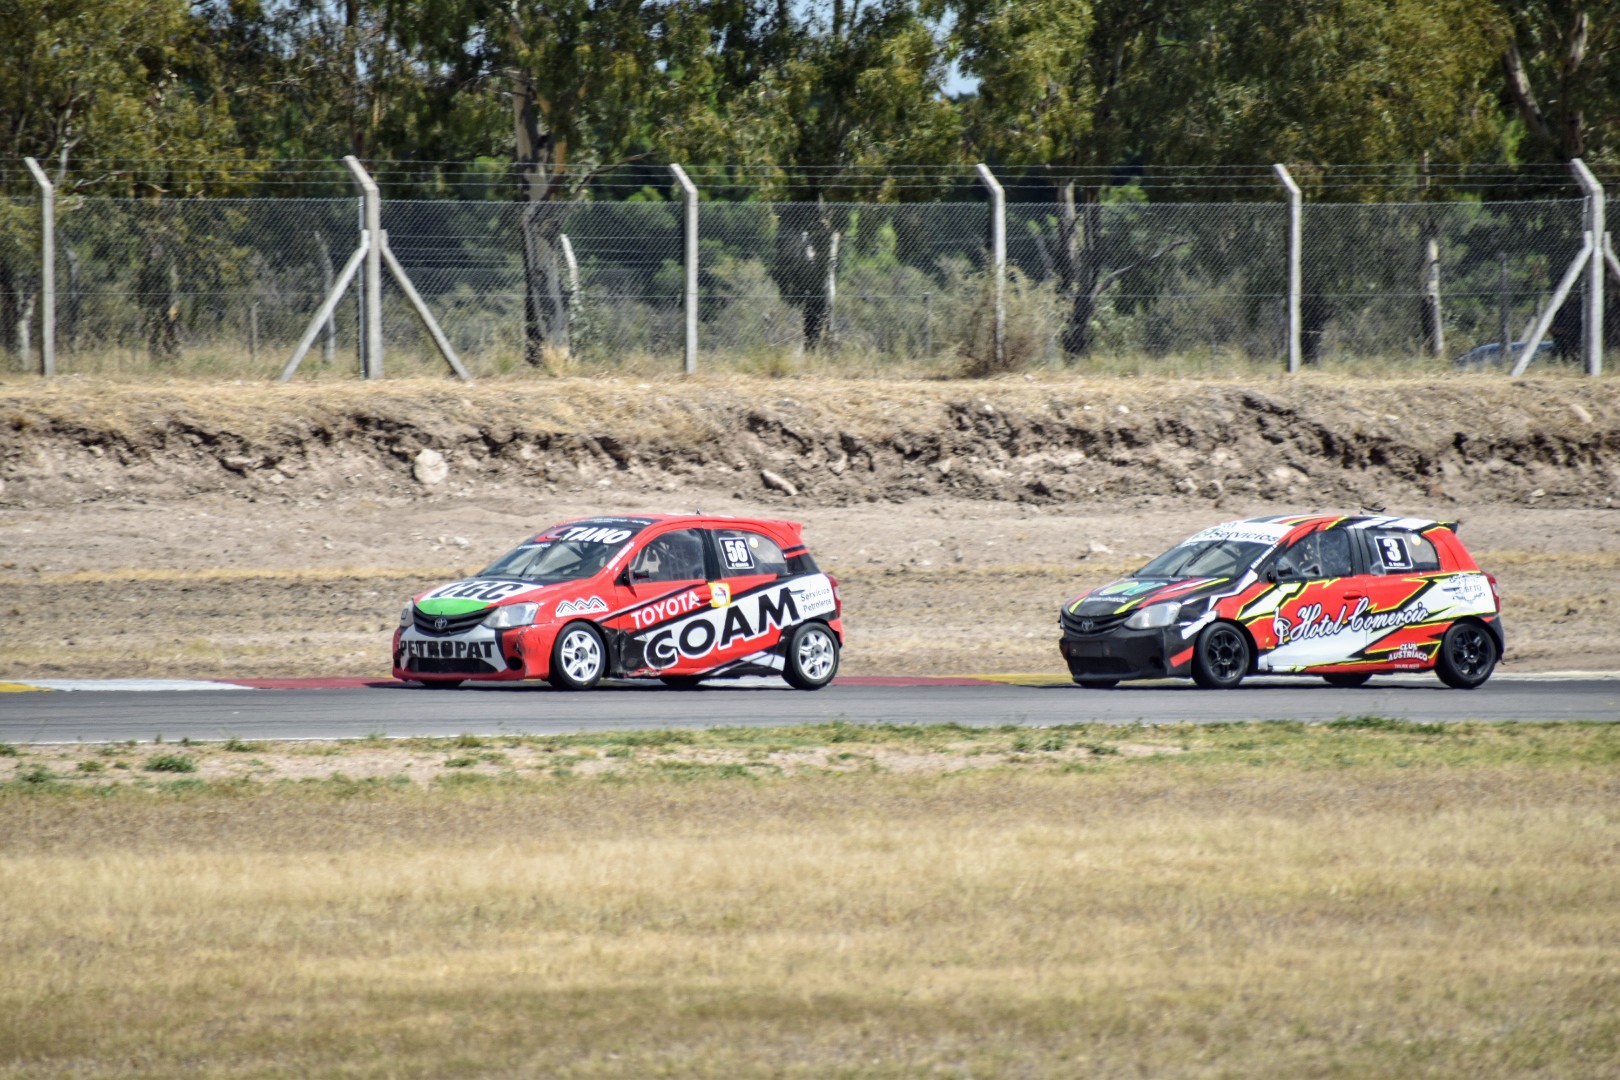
[(678, 598), (1345, 598)]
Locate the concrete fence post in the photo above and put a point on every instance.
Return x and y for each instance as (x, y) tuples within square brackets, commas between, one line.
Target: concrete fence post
[(998, 257), (1296, 215), (373, 366), (689, 196), (1592, 336), (47, 269)]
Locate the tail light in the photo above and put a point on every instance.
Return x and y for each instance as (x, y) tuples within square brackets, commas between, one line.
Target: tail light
[(1496, 597), (838, 603)]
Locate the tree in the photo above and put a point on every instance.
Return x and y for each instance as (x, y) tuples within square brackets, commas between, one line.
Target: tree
[(1561, 66)]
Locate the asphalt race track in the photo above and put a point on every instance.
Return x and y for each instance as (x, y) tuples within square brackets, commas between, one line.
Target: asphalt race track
[(356, 708)]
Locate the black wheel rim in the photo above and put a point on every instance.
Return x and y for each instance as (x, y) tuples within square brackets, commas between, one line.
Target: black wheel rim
[(1470, 651), (1225, 654)]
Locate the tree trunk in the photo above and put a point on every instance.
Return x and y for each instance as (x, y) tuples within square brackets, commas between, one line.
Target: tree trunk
[(1080, 255), (158, 286), (539, 165)]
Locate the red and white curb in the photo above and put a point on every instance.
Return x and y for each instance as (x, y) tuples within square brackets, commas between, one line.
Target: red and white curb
[(356, 682)]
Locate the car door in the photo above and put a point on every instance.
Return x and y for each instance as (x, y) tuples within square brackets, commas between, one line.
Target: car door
[(1317, 620), (664, 595), (1402, 567), (756, 607)]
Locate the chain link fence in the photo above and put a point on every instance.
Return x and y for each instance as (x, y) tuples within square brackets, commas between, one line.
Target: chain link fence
[(230, 285)]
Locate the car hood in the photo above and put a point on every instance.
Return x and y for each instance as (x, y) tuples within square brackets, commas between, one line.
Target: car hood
[(1128, 594), (478, 594)]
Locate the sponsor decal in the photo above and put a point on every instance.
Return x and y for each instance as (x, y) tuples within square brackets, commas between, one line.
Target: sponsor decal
[(669, 608), (757, 615), (1312, 621), (452, 649), (719, 594), (581, 607), (735, 551), (1409, 651), (1467, 588), (485, 591), (590, 534), (1248, 532), (1127, 588)]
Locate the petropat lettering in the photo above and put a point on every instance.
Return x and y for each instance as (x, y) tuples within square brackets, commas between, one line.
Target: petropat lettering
[(1313, 622), (661, 610), (719, 628), (451, 650)]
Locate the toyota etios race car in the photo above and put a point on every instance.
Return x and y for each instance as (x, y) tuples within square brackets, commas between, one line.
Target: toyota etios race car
[(676, 598), (1345, 598)]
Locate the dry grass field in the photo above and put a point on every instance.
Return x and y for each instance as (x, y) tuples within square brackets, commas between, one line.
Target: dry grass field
[(1365, 898)]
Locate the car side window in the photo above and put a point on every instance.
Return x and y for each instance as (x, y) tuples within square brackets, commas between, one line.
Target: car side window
[(744, 553), (674, 556), (1317, 555), (1403, 553)]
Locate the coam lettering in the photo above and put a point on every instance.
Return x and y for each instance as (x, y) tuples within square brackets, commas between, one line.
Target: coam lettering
[(703, 633)]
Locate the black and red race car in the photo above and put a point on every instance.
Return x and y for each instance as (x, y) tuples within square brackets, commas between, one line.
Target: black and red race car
[(1345, 598), (679, 598)]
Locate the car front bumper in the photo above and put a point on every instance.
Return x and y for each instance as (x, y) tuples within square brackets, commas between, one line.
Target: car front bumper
[(1127, 654)]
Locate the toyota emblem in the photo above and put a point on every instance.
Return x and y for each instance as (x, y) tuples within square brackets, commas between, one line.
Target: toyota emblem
[(440, 623), (1088, 624)]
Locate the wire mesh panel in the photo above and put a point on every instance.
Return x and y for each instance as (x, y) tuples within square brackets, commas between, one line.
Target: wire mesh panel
[(598, 281), (1366, 269), (227, 283), (887, 281), (20, 299), (1193, 279)]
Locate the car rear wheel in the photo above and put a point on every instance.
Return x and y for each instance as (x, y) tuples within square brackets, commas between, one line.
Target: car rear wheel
[(1467, 656), (812, 656), (578, 660), (1221, 657), (1347, 679)]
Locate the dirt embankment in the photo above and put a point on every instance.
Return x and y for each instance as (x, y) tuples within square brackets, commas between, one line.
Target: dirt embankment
[(1311, 441), (249, 530)]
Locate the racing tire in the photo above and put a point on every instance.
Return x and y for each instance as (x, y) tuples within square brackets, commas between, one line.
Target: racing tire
[(1221, 657), (440, 684), (1347, 679), (811, 658), (1097, 684), (1468, 655), (681, 682), (578, 657)]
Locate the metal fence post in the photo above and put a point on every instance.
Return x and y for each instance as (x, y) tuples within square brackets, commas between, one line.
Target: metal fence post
[(47, 269), (373, 290), (690, 298), (1593, 343), (998, 257), (1296, 213)]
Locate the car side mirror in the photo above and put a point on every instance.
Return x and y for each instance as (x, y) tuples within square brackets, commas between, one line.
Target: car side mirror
[(623, 579), (1270, 575)]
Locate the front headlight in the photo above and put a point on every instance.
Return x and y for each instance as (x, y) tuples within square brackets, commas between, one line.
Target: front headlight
[(504, 618), (1153, 616), (405, 617)]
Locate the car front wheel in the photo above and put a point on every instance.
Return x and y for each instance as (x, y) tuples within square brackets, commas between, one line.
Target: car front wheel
[(1221, 658), (1467, 656), (812, 656), (578, 660)]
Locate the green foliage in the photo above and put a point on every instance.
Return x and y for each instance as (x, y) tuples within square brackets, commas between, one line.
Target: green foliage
[(175, 763)]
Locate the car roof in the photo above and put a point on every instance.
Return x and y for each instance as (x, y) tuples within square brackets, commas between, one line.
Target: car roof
[(776, 526), (1312, 522)]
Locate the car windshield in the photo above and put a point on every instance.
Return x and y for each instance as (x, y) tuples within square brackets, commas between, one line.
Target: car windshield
[(565, 553), (1205, 558)]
